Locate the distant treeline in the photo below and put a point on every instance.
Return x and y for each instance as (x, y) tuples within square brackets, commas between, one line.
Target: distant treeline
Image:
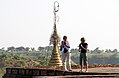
[(26, 56), (21, 48)]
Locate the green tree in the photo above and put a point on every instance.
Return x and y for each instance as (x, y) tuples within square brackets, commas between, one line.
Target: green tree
[(11, 49)]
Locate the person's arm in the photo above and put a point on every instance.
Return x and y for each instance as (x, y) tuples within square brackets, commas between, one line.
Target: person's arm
[(79, 47), (85, 48)]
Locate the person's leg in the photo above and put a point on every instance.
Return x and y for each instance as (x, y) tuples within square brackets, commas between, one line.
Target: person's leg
[(81, 62), (86, 62), (69, 61), (64, 61), (86, 67)]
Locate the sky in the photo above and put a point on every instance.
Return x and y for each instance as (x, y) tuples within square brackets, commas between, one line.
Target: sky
[(29, 23)]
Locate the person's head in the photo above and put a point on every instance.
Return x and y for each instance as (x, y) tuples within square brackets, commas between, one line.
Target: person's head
[(65, 38), (82, 40)]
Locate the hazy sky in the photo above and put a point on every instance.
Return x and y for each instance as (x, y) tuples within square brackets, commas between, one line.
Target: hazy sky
[(30, 22)]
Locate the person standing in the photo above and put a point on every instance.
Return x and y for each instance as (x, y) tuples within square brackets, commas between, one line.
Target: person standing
[(83, 54), (66, 55)]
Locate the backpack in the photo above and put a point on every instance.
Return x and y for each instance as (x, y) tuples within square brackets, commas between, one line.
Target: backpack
[(61, 46)]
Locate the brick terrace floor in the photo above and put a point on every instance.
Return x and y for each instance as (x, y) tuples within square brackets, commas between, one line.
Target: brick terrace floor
[(102, 70), (97, 69)]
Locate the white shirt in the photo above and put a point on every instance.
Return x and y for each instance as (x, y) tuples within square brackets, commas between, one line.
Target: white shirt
[(65, 45)]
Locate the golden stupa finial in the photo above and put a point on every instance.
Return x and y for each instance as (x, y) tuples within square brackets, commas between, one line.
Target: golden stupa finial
[(55, 40)]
